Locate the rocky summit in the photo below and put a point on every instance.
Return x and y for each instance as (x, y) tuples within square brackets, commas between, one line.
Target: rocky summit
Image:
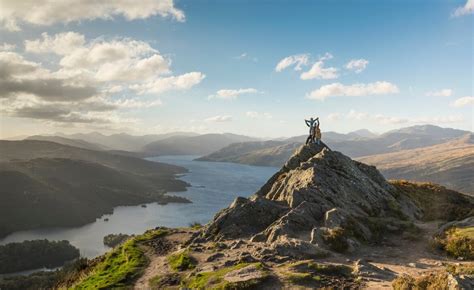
[(320, 201), (323, 221)]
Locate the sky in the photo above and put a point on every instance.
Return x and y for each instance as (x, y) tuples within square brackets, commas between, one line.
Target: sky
[(256, 68)]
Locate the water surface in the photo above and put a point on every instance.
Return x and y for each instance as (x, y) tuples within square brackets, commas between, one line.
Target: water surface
[(214, 185)]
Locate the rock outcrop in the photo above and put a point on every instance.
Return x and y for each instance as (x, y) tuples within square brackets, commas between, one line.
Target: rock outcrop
[(319, 200)]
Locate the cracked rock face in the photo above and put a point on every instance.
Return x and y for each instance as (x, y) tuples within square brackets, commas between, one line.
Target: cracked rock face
[(316, 188)]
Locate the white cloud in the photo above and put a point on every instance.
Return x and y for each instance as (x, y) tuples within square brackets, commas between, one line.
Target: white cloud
[(298, 60), (440, 93), (44, 12), (161, 85), (228, 94), (89, 72), (61, 43), (318, 71), (257, 115), (468, 8), (7, 47), (219, 119), (464, 101), (115, 60), (246, 56), (355, 90), (357, 65)]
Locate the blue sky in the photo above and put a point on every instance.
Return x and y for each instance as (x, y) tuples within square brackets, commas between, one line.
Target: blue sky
[(211, 66)]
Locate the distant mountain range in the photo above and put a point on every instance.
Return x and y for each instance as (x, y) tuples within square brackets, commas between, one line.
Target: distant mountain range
[(451, 170), (121, 141), (46, 184), (193, 145)]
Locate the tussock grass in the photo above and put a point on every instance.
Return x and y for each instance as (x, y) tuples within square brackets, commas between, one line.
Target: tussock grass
[(459, 242)]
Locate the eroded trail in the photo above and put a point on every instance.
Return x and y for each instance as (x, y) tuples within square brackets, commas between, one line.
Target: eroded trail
[(157, 251), (395, 256)]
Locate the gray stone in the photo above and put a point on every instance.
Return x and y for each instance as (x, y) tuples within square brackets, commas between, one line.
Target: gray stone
[(365, 269)]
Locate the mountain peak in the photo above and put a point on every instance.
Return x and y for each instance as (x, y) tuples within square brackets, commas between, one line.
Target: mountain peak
[(316, 192)]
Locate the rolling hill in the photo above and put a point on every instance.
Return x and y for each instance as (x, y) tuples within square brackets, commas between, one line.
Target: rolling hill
[(450, 164)]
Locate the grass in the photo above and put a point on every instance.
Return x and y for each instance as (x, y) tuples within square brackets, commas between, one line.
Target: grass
[(461, 269), (181, 261), (437, 202), (215, 279), (120, 266), (459, 242), (195, 225), (430, 281)]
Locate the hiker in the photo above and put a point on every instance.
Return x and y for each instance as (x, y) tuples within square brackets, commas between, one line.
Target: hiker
[(311, 124), (317, 133)]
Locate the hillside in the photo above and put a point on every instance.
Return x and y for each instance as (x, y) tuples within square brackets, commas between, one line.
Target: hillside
[(30, 149), (397, 140), (322, 221), (194, 145), (69, 142), (45, 184), (262, 153), (450, 164)]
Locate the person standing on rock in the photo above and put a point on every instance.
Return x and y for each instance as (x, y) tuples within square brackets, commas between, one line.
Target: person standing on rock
[(311, 123), (317, 133)]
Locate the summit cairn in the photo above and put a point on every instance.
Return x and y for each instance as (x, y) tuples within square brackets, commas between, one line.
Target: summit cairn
[(319, 202)]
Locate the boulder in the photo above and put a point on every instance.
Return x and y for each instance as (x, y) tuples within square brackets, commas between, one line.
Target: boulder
[(297, 248)]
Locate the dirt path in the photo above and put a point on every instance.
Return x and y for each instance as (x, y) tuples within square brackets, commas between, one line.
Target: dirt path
[(157, 256), (404, 256), (398, 255)]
